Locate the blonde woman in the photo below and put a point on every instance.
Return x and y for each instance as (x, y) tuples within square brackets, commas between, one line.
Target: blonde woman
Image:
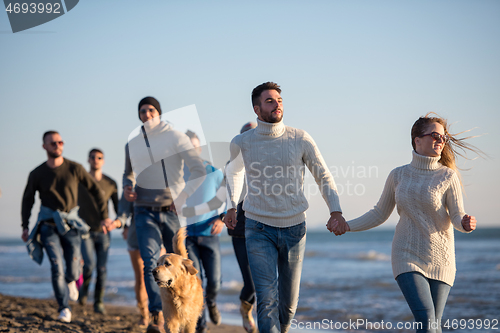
[(428, 196)]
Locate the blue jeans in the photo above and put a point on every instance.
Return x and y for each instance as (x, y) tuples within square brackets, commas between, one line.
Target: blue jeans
[(426, 298), (153, 229), (247, 293), (275, 256), (204, 251), (59, 248), (132, 243), (98, 242)]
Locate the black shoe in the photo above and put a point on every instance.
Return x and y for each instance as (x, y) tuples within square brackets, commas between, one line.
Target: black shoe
[(214, 314), (99, 308), (82, 300)]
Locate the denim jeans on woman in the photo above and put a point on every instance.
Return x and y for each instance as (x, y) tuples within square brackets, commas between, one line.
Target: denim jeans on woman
[(98, 243), (426, 298), (61, 248), (154, 228), (275, 256), (247, 293)]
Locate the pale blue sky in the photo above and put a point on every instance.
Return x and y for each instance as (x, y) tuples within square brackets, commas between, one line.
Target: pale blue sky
[(354, 74)]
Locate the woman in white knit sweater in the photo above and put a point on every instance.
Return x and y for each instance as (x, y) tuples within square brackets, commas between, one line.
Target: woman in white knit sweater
[(428, 196)]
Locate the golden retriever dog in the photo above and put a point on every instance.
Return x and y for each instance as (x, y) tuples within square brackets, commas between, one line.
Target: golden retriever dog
[(180, 289)]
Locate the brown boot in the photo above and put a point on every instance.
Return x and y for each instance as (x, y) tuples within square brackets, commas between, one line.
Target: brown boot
[(214, 314), (246, 314), (156, 324)]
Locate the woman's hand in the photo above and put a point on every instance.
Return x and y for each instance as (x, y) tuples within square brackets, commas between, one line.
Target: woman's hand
[(469, 222), (337, 224)]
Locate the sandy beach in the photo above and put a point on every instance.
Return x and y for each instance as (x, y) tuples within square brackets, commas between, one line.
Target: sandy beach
[(18, 314)]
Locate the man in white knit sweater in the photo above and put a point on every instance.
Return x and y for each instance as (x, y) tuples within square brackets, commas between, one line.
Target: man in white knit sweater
[(273, 158)]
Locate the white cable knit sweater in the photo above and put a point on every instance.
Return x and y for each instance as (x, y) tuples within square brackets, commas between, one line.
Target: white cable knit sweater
[(273, 157), (429, 202)]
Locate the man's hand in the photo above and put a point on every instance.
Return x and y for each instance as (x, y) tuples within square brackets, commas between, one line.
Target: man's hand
[(469, 222), (230, 218), (129, 194), (217, 226), (337, 224), (25, 235), (179, 202), (125, 233), (108, 225)]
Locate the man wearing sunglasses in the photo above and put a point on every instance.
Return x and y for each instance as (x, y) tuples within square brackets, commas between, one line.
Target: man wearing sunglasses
[(97, 240), (58, 225)]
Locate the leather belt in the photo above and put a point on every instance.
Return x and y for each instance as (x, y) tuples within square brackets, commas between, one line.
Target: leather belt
[(49, 222), (159, 209)]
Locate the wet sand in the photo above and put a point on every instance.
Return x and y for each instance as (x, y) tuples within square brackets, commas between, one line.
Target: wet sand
[(18, 314)]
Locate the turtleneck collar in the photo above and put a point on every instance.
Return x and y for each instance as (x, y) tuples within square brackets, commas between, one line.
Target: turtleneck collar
[(270, 129), (162, 126), (425, 162)]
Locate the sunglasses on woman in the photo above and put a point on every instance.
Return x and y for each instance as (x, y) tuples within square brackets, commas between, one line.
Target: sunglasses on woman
[(436, 136)]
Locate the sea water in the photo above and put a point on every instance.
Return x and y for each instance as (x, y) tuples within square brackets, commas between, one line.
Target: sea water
[(347, 282)]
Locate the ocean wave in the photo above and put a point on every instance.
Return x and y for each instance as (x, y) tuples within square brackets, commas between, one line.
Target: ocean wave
[(113, 251), (228, 306), (120, 284), (232, 285), (229, 251), (13, 249), (23, 279), (373, 255)]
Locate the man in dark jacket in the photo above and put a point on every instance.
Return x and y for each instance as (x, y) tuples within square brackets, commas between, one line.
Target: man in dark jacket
[(97, 240), (59, 225)]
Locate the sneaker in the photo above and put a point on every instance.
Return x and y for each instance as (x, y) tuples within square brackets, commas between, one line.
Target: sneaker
[(156, 324), (65, 315), (99, 308), (214, 314), (73, 291), (246, 314)]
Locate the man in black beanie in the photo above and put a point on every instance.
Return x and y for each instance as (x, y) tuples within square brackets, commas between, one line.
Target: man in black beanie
[(150, 101), (157, 153)]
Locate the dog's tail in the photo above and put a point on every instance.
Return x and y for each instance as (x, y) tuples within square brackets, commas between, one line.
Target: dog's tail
[(179, 243)]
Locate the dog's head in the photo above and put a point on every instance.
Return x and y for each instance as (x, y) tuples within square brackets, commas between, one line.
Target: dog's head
[(170, 267)]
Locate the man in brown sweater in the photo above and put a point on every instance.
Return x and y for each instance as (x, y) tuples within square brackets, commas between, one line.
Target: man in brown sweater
[(59, 225), (95, 243)]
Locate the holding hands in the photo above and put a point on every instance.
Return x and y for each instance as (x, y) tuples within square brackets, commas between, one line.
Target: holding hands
[(337, 224), (230, 218), (108, 224), (469, 222)]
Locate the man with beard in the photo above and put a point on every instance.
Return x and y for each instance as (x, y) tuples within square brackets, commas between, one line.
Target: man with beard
[(97, 240), (273, 157), (59, 225)]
